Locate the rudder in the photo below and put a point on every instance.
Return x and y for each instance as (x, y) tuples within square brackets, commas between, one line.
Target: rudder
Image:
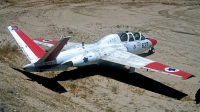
[(32, 51)]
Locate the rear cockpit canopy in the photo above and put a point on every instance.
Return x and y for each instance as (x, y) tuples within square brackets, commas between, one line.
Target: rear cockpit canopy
[(121, 37)]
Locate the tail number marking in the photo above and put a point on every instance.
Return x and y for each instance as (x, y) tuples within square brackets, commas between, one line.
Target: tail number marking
[(49, 63), (145, 45)]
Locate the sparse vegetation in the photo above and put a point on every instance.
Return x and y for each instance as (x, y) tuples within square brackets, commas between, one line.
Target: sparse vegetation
[(109, 109), (118, 26), (3, 107), (11, 90), (73, 85), (8, 51), (187, 98), (114, 89)]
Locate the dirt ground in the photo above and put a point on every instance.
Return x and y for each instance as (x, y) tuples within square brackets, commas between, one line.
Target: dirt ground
[(175, 25)]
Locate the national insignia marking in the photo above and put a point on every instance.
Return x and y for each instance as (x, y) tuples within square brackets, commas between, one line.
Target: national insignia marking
[(46, 40), (85, 59), (14, 28), (169, 69)]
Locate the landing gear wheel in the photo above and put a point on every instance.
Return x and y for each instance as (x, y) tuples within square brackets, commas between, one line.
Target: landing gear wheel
[(132, 70), (151, 50)]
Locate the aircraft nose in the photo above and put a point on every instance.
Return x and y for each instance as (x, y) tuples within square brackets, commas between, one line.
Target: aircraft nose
[(153, 41), (28, 66)]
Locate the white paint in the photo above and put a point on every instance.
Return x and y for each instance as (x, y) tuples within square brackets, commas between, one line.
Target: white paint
[(27, 51)]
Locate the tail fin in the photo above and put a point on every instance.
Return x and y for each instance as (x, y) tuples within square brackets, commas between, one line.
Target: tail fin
[(54, 51), (32, 51)]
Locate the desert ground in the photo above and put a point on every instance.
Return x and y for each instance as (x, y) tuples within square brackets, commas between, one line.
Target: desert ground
[(101, 88)]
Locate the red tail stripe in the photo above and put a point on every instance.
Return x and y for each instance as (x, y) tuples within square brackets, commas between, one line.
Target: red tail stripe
[(30, 43)]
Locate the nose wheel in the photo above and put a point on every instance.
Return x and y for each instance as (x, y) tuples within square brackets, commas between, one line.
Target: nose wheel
[(151, 50)]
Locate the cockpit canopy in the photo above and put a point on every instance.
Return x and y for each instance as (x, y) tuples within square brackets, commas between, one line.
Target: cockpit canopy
[(131, 36)]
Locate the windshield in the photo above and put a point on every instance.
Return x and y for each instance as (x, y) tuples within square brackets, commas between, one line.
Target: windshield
[(142, 37)]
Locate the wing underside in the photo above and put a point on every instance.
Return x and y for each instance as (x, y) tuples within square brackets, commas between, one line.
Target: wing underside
[(132, 60)]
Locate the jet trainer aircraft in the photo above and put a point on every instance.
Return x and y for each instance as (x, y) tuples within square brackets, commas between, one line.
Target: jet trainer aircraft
[(116, 48)]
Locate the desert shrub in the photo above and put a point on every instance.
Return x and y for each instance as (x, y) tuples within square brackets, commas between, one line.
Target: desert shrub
[(114, 89), (109, 109), (8, 51), (2, 107)]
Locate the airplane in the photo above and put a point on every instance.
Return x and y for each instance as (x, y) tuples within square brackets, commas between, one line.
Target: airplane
[(121, 48)]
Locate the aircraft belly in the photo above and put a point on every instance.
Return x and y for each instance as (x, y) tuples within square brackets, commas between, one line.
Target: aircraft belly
[(47, 68)]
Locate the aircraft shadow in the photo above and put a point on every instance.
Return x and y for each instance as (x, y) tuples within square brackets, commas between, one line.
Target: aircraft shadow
[(197, 97), (122, 75), (49, 83), (118, 73), (145, 54)]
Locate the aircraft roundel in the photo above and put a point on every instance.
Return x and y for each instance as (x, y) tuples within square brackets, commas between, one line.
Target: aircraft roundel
[(14, 28), (46, 40), (169, 69)]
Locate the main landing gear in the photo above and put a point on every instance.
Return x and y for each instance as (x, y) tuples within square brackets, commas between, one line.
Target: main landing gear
[(151, 50), (132, 70)]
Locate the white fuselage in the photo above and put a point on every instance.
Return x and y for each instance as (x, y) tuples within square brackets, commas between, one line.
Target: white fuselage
[(91, 53)]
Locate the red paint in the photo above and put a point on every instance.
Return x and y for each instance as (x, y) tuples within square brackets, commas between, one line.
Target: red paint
[(49, 42), (161, 67), (30, 43), (153, 41), (56, 51)]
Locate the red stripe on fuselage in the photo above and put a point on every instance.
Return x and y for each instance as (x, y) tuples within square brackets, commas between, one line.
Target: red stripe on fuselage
[(30, 43)]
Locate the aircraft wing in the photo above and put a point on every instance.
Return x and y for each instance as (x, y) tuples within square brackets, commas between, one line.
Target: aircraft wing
[(50, 43), (45, 42), (132, 60)]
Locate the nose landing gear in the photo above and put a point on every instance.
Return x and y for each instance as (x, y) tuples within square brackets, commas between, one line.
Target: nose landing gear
[(151, 50)]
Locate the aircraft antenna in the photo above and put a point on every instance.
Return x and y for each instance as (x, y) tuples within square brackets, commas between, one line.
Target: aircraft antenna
[(62, 36), (83, 45)]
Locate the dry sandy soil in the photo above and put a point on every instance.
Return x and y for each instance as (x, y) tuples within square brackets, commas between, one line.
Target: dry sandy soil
[(175, 25)]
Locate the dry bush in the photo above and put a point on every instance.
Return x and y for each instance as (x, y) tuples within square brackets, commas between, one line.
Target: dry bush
[(187, 98), (8, 51), (73, 85), (109, 109), (114, 89)]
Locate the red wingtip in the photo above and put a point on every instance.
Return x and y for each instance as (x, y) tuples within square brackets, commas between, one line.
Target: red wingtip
[(187, 77), (173, 71)]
